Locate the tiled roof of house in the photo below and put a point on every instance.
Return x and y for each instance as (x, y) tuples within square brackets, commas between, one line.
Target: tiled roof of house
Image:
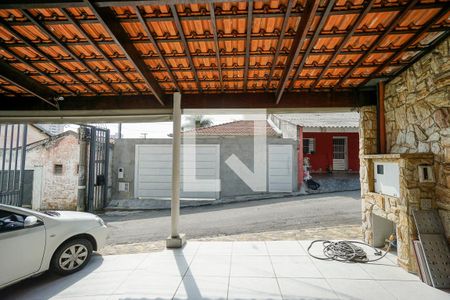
[(236, 128), (50, 139), (342, 119), (42, 129)]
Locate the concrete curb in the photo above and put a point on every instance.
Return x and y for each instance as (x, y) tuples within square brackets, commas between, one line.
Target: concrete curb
[(158, 204)]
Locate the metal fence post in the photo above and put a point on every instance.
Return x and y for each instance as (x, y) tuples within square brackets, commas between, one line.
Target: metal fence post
[(82, 183), (22, 162), (91, 170), (106, 166)]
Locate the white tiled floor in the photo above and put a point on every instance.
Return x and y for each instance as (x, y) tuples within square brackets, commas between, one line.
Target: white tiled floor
[(228, 270)]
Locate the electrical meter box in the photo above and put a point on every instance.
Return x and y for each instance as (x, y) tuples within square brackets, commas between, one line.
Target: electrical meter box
[(387, 178)]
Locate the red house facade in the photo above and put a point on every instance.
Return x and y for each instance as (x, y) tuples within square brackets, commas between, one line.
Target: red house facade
[(329, 140), (333, 151)]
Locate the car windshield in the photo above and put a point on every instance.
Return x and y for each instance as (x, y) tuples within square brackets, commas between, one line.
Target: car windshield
[(21, 210)]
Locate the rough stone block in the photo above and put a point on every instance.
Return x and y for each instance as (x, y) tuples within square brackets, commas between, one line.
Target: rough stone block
[(379, 201)]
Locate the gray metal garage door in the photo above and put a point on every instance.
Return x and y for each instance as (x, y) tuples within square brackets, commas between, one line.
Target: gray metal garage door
[(154, 168)]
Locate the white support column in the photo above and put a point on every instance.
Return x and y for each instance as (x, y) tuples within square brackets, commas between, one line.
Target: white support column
[(176, 240)]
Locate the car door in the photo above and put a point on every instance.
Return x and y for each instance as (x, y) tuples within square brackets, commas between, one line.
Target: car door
[(21, 248)]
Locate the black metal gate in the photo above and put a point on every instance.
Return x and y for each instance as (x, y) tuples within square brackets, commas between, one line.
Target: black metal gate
[(97, 180), (13, 141)]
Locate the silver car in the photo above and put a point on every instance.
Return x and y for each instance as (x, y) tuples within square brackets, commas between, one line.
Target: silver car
[(32, 242)]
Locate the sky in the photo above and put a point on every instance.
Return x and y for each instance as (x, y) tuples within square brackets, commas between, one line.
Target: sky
[(156, 130)]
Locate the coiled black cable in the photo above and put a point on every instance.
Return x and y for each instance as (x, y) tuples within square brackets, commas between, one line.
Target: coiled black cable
[(346, 251)]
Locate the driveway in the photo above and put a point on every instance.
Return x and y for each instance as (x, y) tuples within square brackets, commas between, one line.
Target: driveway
[(229, 270), (303, 212)]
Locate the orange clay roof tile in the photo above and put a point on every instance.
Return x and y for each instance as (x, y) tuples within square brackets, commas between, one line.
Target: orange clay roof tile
[(236, 128), (231, 24)]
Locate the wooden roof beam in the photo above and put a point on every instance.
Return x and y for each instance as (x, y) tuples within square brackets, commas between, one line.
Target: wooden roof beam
[(212, 69), (239, 37), (15, 4), (98, 3), (106, 17), (361, 17), (48, 58), (324, 99), (312, 41), (301, 32), (230, 67), (379, 39), (158, 51), (185, 44), (216, 43), (227, 37), (248, 41), (408, 43), (280, 40), (75, 23), (28, 84), (231, 55)]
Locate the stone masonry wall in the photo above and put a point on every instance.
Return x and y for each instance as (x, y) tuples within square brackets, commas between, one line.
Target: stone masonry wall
[(367, 142), (417, 113)]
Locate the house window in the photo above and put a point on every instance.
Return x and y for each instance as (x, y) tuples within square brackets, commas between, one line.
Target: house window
[(58, 169), (309, 146)]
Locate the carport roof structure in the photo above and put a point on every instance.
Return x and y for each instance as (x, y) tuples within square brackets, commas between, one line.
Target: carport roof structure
[(133, 54), (323, 120)]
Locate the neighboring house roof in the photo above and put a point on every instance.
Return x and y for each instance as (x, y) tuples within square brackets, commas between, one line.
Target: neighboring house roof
[(236, 128), (42, 129), (343, 119), (53, 138)]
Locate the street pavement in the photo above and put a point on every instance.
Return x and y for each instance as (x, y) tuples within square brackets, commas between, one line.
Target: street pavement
[(271, 215)]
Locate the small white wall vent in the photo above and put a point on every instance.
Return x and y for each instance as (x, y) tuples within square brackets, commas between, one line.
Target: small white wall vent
[(426, 173)]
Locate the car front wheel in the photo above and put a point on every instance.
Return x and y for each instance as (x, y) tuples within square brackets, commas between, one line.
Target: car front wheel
[(71, 256)]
